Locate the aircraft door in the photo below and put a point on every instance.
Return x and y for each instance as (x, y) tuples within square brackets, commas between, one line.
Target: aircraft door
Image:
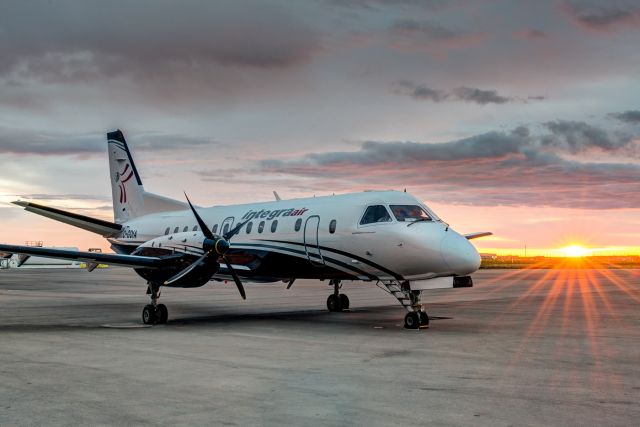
[(311, 243), (226, 225)]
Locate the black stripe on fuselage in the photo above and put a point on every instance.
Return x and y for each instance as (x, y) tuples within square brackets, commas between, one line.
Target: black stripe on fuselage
[(303, 254), (337, 251)]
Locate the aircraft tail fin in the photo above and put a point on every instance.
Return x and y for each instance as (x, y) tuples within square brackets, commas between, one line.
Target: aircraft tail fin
[(129, 198)]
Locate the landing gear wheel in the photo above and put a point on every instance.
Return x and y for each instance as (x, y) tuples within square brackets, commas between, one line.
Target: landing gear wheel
[(333, 303), (344, 301), (149, 316), (424, 319), (163, 314), (412, 320)]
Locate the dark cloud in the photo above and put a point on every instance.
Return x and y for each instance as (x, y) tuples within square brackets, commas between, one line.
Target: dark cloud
[(67, 41), (519, 167), (417, 91), (463, 93), (576, 137), (24, 142), (631, 116), (604, 17), (427, 36), (480, 96)]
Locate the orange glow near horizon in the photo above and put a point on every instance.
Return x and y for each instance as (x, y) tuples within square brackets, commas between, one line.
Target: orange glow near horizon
[(575, 251)]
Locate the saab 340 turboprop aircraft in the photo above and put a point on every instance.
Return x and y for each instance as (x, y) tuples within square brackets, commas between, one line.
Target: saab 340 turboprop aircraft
[(387, 238)]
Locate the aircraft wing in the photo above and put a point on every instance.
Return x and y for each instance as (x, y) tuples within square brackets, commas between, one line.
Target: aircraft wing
[(477, 235), (134, 261)]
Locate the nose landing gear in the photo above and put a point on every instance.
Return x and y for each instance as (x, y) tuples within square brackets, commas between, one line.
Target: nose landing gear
[(337, 301), (416, 320), (416, 317), (154, 313)]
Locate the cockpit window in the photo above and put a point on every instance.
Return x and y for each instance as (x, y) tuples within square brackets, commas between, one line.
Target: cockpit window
[(410, 213), (373, 214)]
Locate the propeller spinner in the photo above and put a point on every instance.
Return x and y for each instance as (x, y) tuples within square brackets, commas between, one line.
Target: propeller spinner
[(213, 247)]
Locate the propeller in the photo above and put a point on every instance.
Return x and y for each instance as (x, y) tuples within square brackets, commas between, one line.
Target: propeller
[(212, 246)]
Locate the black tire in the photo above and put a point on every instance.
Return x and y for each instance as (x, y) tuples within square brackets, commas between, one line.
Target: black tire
[(162, 314), (344, 301), (149, 316), (412, 321), (424, 318), (333, 303)]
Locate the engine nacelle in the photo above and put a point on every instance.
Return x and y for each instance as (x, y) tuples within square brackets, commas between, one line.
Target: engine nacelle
[(190, 245)]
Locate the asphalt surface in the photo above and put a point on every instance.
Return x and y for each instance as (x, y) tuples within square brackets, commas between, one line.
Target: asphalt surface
[(522, 347)]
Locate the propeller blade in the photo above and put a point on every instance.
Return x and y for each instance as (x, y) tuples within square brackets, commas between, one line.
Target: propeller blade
[(205, 230), (187, 270), (229, 234), (235, 278)]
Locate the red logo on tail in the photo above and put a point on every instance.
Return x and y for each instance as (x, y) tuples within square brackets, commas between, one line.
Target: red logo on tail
[(123, 190)]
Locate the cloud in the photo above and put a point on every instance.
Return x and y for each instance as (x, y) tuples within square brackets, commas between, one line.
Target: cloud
[(417, 91), (480, 96), (599, 17), (518, 168), (463, 93), (27, 142), (631, 116), (576, 137), (75, 42), (427, 36)]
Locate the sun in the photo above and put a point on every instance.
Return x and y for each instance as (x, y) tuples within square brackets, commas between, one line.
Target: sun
[(575, 251)]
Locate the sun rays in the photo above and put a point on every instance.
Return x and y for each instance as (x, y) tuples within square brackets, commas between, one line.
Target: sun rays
[(568, 306)]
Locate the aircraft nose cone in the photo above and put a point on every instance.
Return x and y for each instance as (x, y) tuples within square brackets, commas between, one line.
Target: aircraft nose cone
[(459, 254)]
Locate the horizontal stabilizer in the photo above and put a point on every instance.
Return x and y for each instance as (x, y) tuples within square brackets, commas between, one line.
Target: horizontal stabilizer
[(477, 235), (104, 228), (134, 261)]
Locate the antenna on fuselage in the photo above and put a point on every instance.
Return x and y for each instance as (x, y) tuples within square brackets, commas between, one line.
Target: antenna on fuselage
[(276, 195)]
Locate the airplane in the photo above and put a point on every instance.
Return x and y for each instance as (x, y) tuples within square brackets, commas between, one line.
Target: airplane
[(387, 238)]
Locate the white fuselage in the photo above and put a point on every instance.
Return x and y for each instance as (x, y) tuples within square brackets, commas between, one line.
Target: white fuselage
[(294, 238)]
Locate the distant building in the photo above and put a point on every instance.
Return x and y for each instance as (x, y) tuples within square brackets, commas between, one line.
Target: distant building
[(488, 257)]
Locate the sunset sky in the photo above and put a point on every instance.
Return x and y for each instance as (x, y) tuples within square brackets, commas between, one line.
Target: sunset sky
[(516, 117)]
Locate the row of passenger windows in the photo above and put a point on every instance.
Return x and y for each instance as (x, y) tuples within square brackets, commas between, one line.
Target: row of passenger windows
[(249, 227)]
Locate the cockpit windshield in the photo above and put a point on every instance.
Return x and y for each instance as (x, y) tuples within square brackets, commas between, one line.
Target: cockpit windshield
[(410, 213)]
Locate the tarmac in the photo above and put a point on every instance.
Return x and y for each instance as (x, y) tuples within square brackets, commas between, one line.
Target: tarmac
[(522, 347)]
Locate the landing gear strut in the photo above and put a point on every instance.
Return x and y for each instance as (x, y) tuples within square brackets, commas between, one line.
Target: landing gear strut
[(337, 301), (416, 317), (154, 313)]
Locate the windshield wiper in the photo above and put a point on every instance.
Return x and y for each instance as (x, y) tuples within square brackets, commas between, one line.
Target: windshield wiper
[(418, 220)]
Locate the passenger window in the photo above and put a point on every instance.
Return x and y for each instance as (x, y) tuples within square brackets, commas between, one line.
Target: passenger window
[(195, 228), (167, 231), (274, 226), (225, 229), (332, 226), (261, 227), (376, 213), (214, 230), (298, 224), (185, 228), (249, 227), (175, 230)]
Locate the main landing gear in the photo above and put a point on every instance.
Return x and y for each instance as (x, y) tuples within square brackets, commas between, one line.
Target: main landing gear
[(154, 313), (416, 317), (337, 301)]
